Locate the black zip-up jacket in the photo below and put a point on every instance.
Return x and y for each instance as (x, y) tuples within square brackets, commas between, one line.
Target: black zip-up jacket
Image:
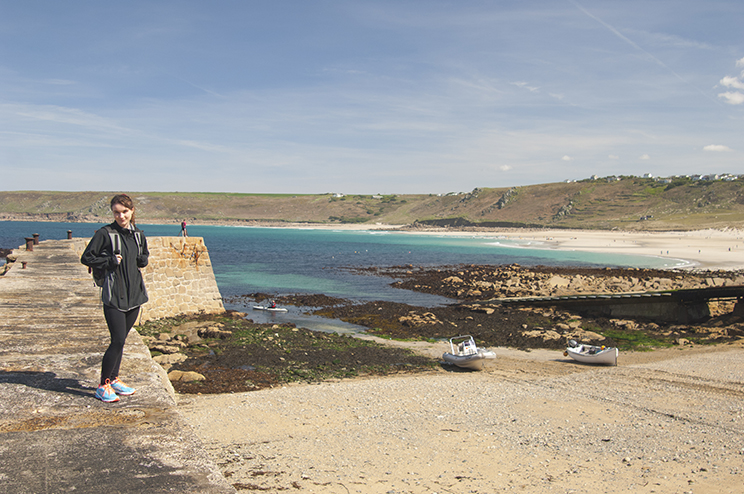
[(124, 288)]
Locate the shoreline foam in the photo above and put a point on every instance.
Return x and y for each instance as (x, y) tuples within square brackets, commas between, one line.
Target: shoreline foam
[(709, 249), (701, 249)]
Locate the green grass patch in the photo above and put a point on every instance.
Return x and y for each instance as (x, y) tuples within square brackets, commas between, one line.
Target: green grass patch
[(638, 341)]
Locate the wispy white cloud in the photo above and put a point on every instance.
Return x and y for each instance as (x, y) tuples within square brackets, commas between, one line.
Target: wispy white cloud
[(208, 91), (717, 148), (55, 126), (733, 82), (422, 95), (635, 45), (526, 86), (62, 115), (479, 84), (59, 82), (670, 40), (732, 98), (644, 157), (42, 140)]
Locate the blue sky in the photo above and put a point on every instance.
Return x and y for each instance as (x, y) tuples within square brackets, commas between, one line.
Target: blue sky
[(365, 96)]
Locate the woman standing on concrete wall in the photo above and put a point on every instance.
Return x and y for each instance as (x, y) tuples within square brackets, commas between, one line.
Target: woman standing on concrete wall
[(118, 251)]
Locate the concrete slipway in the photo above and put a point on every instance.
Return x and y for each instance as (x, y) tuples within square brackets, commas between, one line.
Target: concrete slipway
[(54, 435)]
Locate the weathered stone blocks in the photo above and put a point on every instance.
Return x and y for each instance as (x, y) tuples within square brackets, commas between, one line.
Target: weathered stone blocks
[(179, 279)]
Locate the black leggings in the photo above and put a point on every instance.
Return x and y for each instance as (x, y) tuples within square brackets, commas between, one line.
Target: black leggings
[(119, 324)]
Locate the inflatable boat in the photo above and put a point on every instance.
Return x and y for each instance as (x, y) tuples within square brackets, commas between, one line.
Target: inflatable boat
[(463, 353), (590, 354)]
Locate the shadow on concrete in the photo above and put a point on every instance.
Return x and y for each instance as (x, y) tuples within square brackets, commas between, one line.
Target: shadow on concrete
[(47, 381)]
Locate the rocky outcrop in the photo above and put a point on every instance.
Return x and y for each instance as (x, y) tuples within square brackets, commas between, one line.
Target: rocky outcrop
[(167, 349), (502, 202), (185, 376), (516, 281), (414, 320)]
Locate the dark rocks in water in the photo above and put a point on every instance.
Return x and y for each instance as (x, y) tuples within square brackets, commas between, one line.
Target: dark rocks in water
[(256, 356), (493, 324), (236, 355)]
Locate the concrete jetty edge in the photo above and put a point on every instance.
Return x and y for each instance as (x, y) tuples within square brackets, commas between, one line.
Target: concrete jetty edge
[(54, 435)]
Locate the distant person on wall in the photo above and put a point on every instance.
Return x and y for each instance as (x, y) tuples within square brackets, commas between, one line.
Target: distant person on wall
[(121, 250), (183, 229)]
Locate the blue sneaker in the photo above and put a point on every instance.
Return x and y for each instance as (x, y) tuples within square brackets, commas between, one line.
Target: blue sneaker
[(122, 388), (105, 393)]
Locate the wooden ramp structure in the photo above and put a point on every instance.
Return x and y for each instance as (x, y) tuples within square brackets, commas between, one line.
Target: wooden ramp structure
[(669, 306)]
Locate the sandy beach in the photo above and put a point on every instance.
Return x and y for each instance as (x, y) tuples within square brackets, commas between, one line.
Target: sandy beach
[(667, 421), (670, 421), (699, 249), (703, 249)]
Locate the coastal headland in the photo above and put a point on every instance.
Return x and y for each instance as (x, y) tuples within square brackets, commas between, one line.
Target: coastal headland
[(609, 203)]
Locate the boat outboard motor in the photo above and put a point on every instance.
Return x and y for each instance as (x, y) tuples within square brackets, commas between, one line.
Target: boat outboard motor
[(572, 343)]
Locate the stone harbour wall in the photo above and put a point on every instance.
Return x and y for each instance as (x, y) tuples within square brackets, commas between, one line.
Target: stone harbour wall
[(179, 279)]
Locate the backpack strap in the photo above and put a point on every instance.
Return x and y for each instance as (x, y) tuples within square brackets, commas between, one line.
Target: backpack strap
[(115, 239), (138, 239)]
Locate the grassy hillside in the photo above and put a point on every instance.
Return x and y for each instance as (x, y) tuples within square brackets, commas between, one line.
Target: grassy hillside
[(590, 204)]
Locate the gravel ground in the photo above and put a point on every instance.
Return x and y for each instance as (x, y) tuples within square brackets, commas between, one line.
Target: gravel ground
[(669, 421)]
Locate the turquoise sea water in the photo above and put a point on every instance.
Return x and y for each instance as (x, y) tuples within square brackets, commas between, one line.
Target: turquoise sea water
[(285, 261)]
